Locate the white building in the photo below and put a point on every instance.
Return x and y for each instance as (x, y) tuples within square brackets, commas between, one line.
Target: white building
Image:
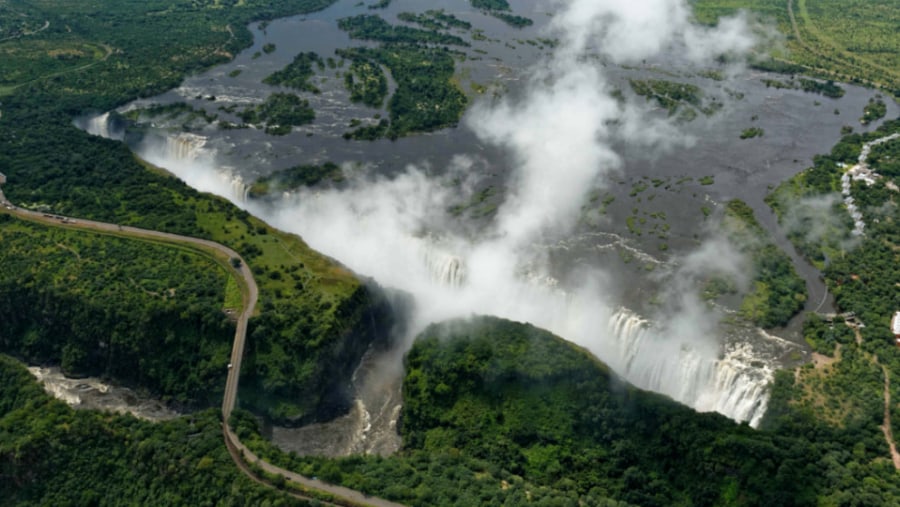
[(2, 179), (895, 327)]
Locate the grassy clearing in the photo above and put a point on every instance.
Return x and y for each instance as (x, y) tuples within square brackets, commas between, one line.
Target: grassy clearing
[(850, 40), (234, 298)]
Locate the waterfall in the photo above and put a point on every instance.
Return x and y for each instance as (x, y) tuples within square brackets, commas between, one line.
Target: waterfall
[(740, 387), (733, 385), (445, 269), (99, 125), (103, 125), (239, 190), (184, 147), (732, 379)]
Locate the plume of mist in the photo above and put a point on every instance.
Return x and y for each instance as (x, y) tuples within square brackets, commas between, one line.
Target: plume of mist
[(628, 32), (559, 130), (819, 219)]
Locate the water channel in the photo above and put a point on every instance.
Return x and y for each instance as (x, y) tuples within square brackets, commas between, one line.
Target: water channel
[(638, 267)]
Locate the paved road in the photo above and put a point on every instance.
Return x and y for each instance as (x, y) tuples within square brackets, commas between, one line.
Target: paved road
[(343, 496), (250, 292)]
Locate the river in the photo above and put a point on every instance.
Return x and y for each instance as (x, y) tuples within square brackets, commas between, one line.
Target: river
[(620, 261), (92, 393)]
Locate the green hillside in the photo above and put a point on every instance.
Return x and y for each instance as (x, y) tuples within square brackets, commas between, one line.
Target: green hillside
[(314, 317), (111, 306), (542, 408), (499, 413), (51, 454)]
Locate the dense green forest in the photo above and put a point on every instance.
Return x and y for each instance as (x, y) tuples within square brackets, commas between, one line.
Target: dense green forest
[(845, 389), (500, 413), (500, 10), (366, 82), (435, 20), (297, 73), (371, 27), (108, 306), (426, 97), (51, 454), (294, 178), (683, 99), (305, 298)]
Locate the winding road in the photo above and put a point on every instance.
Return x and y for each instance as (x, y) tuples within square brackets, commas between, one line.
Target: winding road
[(224, 256)]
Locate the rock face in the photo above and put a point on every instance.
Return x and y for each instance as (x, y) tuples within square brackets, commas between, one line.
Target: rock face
[(369, 318), (320, 388)]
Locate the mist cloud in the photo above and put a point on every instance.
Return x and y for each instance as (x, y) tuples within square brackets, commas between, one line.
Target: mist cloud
[(559, 131), (819, 219)]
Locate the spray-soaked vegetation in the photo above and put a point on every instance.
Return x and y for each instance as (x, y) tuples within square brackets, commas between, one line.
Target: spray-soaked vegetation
[(777, 292), (181, 111), (279, 114), (51, 454), (294, 178)]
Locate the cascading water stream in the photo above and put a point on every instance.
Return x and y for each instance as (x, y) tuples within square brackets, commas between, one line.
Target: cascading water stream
[(734, 385), (190, 157), (184, 147), (446, 270), (732, 380)]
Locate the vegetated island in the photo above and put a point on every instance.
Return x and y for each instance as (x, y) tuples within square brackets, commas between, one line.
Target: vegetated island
[(500, 9), (751, 132), (426, 97)]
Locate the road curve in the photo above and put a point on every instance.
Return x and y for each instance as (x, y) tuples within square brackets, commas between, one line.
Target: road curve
[(239, 452)]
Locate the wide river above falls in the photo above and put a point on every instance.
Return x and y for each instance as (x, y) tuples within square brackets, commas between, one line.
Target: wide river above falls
[(796, 125)]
